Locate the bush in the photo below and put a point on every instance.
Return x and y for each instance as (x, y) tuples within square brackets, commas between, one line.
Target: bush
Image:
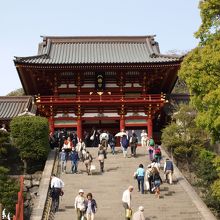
[(9, 190), (4, 142), (30, 135), (206, 170)]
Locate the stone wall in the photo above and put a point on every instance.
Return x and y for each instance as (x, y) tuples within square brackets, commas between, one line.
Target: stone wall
[(31, 186)]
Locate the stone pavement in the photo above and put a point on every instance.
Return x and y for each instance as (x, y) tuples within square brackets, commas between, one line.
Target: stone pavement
[(107, 189)]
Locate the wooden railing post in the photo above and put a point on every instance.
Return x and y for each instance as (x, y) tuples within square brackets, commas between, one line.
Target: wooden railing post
[(19, 212), (0, 211)]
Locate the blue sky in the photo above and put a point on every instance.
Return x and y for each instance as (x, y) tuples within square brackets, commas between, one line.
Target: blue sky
[(24, 21)]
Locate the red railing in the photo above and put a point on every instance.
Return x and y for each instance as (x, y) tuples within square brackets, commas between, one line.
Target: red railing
[(104, 99), (19, 215)]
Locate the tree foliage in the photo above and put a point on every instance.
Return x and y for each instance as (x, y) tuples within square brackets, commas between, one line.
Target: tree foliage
[(4, 142), (180, 87), (205, 168), (182, 137), (210, 15), (201, 69), (208, 171), (17, 92), (9, 190), (216, 185), (30, 136)]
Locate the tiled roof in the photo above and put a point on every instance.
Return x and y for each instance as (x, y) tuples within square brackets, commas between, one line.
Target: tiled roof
[(97, 50), (11, 106)]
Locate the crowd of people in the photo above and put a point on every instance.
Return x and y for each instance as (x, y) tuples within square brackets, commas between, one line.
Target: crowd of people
[(148, 179)]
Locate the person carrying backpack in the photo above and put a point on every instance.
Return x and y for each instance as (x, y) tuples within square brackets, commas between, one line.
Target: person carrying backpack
[(168, 171), (150, 145), (157, 154)]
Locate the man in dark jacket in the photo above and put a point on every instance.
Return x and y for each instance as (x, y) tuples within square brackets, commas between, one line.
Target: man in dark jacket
[(168, 171), (74, 157), (133, 143)]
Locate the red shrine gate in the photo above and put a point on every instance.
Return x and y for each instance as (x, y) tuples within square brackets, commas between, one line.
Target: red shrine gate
[(106, 82), (150, 104)]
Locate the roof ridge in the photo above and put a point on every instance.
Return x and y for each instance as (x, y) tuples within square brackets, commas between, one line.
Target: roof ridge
[(96, 38), (99, 36), (28, 57), (169, 56)]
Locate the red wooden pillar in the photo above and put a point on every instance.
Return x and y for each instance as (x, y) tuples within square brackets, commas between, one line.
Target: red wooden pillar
[(122, 122), (79, 127), (150, 127), (22, 200), (51, 124)]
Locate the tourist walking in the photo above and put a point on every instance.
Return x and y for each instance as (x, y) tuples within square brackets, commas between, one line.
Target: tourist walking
[(81, 149), (140, 173), (112, 143), (157, 154), (143, 138), (56, 186), (74, 139), (52, 141), (94, 138), (91, 207), (80, 205), (74, 158), (125, 144), (101, 157), (168, 171), (126, 202), (157, 181), (139, 214), (133, 143), (150, 145), (103, 138), (63, 161), (88, 161), (149, 178), (155, 164)]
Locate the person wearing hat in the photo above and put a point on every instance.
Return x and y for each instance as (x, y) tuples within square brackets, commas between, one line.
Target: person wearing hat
[(80, 205), (139, 214)]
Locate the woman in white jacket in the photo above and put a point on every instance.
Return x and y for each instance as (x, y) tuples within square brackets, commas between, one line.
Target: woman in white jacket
[(143, 138)]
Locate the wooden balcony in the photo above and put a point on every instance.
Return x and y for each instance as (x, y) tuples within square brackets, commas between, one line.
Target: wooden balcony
[(101, 100)]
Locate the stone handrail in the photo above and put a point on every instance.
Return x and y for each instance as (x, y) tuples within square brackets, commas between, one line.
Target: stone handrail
[(201, 206), (42, 195)]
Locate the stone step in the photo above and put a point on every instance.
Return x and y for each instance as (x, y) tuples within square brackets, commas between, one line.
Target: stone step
[(107, 189)]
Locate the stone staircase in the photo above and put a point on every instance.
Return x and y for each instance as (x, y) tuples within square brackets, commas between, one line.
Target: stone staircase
[(175, 203)]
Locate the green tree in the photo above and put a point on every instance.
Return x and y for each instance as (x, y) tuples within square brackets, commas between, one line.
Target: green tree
[(9, 190), (208, 172), (4, 142), (182, 137), (30, 136), (205, 168), (180, 87), (201, 69), (210, 15), (17, 92), (216, 185)]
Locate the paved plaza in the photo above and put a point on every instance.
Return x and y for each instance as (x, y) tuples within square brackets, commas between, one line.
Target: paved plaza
[(107, 189)]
